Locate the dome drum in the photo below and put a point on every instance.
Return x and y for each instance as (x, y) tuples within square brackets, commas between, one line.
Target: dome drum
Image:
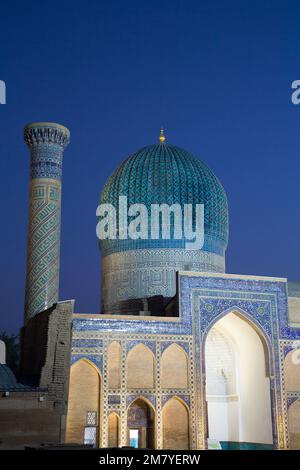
[(161, 174)]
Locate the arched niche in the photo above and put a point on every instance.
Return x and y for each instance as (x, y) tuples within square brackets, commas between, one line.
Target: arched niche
[(240, 410), (140, 424), (175, 416), (140, 367), (174, 368), (83, 402)]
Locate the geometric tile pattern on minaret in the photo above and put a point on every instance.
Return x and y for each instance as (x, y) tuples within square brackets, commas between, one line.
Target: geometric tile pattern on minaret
[(47, 142)]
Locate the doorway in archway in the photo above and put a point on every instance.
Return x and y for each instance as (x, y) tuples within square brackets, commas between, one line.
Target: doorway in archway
[(140, 424), (237, 385)]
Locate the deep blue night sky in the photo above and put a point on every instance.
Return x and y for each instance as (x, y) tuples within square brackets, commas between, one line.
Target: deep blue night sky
[(217, 75)]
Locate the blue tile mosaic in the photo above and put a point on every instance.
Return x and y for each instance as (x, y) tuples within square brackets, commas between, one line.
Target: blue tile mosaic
[(167, 174)]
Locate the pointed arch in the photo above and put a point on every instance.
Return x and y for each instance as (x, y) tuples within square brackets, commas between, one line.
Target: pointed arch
[(175, 417), (88, 361), (178, 398), (141, 419), (140, 367), (242, 314), (114, 364), (113, 429), (174, 367), (141, 397), (84, 397)]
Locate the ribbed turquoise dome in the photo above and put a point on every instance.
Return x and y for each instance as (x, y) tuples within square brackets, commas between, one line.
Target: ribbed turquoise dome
[(167, 174)]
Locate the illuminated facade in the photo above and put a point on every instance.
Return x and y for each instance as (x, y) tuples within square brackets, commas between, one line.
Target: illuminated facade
[(217, 368), (185, 356)]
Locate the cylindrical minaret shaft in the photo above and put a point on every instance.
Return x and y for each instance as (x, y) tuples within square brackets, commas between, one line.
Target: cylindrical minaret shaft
[(47, 142)]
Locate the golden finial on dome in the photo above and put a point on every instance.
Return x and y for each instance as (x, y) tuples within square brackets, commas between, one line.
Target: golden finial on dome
[(162, 137)]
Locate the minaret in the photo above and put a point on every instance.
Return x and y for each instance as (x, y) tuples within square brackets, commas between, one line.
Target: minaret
[(47, 142)]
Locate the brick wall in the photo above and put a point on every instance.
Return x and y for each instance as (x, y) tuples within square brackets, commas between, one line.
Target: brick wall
[(38, 416), (28, 419)]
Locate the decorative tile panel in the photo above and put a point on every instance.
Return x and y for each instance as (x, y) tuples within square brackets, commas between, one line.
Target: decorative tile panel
[(204, 299)]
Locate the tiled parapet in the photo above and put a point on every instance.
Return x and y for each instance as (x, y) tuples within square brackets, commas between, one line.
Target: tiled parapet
[(47, 142)]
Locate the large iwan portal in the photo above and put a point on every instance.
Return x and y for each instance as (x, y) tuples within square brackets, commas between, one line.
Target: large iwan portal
[(237, 383)]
